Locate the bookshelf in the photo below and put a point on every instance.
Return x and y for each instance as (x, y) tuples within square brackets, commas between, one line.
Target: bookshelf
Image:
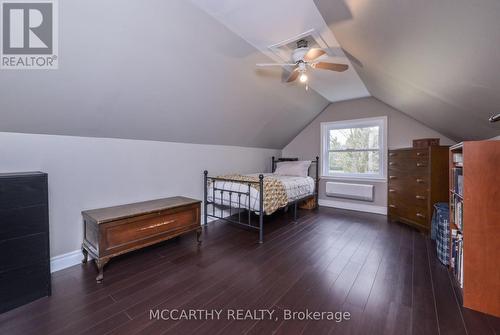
[(456, 214), (474, 181)]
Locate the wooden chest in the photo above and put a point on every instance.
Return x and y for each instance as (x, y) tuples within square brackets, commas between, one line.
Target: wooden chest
[(418, 178), (109, 232)]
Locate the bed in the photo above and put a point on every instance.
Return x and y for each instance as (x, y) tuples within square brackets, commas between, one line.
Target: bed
[(236, 198)]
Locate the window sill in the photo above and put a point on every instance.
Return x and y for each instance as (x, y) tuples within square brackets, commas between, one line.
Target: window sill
[(369, 179)]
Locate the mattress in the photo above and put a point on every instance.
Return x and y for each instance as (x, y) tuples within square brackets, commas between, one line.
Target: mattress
[(295, 187)]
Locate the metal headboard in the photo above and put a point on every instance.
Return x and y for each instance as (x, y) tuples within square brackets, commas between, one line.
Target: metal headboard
[(294, 159)]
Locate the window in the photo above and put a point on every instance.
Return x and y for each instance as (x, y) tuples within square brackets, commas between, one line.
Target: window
[(354, 148)]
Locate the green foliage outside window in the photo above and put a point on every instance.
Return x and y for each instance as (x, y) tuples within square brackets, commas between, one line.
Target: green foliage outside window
[(354, 150)]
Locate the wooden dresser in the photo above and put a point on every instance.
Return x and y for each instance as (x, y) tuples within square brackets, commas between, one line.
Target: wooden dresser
[(24, 239), (109, 232), (418, 178)]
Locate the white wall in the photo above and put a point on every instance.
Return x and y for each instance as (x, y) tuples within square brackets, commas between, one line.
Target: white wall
[(86, 173), (401, 131)]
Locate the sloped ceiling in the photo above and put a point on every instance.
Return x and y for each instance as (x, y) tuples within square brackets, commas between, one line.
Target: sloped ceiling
[(268, 23), (437, 61), (164, 71)]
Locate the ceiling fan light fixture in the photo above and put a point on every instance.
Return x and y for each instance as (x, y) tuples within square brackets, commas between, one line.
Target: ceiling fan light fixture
[(303, 77)]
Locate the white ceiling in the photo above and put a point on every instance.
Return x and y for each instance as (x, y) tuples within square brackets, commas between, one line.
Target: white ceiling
[(264, 23), (437, 61)]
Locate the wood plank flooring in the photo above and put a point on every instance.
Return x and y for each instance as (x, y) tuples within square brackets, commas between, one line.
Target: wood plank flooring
[(384, 274)]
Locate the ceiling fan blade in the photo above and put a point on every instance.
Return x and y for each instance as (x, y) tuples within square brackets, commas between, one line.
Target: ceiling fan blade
[(275, 64), (330, 66), (293, 75), (313, 54)]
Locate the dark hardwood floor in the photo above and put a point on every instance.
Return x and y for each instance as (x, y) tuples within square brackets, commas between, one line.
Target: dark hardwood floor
[(384, 274)]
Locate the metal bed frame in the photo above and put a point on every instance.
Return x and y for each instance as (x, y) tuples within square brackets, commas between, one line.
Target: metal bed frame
[(260, 183)]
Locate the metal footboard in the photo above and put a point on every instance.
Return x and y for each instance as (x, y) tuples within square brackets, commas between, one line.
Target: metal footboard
[(241, 221), (245, 220)]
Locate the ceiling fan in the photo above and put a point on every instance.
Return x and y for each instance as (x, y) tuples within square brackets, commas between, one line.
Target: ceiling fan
[(304, 57)]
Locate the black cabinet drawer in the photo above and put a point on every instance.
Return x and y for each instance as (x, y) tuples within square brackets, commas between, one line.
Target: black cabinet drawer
[(23, 251), (23, 221), (23, 285), (23, 191)]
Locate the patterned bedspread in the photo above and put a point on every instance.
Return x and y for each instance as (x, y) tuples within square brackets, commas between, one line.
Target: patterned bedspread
[(278, 191)]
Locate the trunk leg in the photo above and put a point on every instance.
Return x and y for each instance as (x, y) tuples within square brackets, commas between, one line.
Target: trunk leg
[(100, 268), (198, 236), (85, 255)]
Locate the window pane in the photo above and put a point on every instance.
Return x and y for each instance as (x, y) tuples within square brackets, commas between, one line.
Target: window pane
[(354, 138), (354, 162)]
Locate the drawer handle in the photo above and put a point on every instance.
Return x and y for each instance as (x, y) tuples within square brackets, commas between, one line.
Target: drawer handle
[(420, 153), (420, 180), (421, 165), (420, 215), (392, 154), (392, 190), (420, 197), (156, 225), (392, 163), (393, 177), (392, 206)]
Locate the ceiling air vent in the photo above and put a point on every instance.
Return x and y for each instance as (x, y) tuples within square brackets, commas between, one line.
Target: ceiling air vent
[(284, 49)]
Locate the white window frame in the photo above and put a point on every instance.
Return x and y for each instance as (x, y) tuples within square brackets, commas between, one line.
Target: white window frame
[(381, 122)]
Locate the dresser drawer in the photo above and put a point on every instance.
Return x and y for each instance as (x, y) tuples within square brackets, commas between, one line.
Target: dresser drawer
[(409, 166), (422, 217), (420, 154), (413, 215), (402, 181), (22, 285), (23, 251), (413, 199), (405, 210), (399, 154), (393, 210), (19, 222), (408, 154), (23, 192), (123, 234)]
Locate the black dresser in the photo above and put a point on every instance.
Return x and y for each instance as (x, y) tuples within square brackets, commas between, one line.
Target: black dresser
[(24, 239)]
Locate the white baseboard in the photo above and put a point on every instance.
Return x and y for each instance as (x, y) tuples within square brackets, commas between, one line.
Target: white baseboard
[(66, 260), (353, 206)]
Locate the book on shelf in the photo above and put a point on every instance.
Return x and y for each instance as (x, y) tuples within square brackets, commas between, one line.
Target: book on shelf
[(458, 159), (458, 212), (460, 184), (457, 256), (457, 181)]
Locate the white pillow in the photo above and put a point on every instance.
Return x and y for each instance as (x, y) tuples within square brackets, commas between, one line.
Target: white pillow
[(294, 168)]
